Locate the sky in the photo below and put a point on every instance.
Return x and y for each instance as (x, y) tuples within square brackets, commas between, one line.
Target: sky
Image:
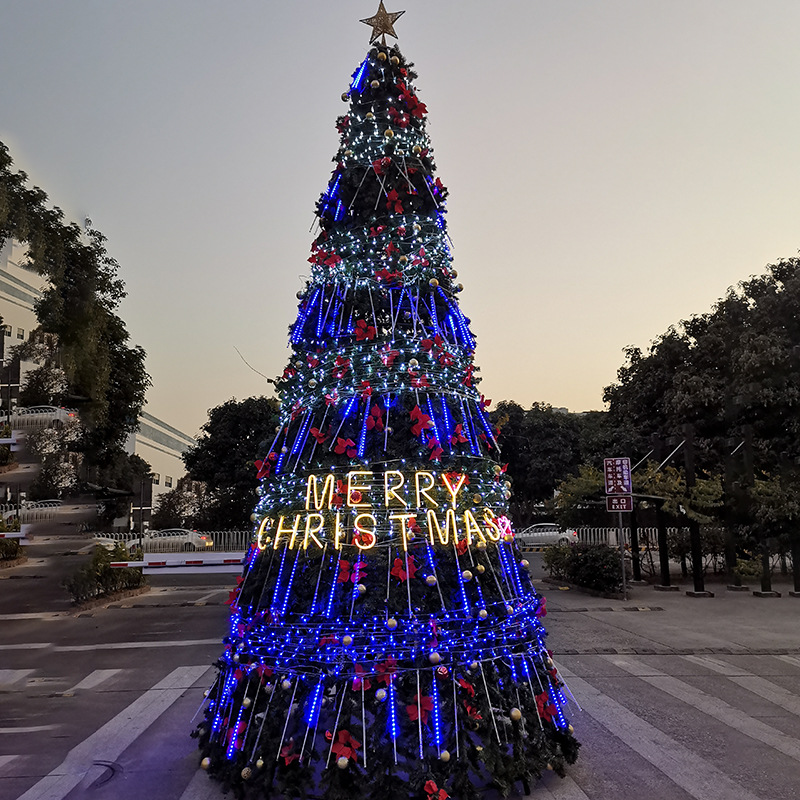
[(613, 167)]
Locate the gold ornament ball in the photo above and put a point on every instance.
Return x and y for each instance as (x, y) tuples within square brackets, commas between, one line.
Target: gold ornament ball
[(417, 227), (286, 685), (507, 484), (391, 623), (253, 518), (550, 767), (375, 84), (312, 383), (483, 613), (476, 498), (434, 658), (453, 273), (403, 259), (509, 610), (433, 283), (299, 294), (381, 56), (480, 568), (460, 287), (236, 658), (284, 450), (473, 666), (345, 96), (410, 536), (247, 773), (516, 714), (524, 563), (361, 588), (508, 537), (395, 60), (466, 575), (260, 763), (388, 133), (342, 762), (497, 469), (570, 729), (207, 692), (369, 115), (431, 580), (481, 545), (380, 694), (205, 763), (348, 153), (413, 363), (417, 150), (444, 756), (347, 641), (246, 702)]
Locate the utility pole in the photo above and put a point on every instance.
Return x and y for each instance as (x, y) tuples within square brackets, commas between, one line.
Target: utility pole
[(661, 523)]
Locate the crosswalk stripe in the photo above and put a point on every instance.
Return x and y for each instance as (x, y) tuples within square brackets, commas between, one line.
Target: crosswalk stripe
[(112, 739), (94, 679), (713, 706), (6, 760), (80, 648), (8, 677), (767, 690), (793, 660), (201, 787), (29, 729), (696, 776)]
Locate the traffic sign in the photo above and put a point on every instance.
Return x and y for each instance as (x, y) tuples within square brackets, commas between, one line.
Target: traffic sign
[(617, 473), (618, 502)]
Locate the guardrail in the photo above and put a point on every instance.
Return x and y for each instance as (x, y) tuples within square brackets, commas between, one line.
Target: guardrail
[(223, 541), (648, 537)]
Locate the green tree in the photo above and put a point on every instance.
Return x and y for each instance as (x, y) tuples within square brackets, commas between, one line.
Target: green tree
[(224, 459)]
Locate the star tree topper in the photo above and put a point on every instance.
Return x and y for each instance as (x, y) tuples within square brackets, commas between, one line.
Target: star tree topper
[(382, 23)]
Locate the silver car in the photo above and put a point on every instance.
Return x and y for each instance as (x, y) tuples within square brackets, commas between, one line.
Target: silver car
[(545, 533)]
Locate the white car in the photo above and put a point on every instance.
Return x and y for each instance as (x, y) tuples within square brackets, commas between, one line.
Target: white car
[(172, 540), (545, 533)]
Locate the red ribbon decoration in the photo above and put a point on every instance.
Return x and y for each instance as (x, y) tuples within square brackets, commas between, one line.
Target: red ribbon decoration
[(361, 679), (345, 446), (388, 355), (286, 753), (344, 571), (263, 468), (332, 399), (319, 435), (422, 421), (545, 707), (425, 708), (419, 382), (386, 670), (364, 331), (341, 368), (435, 448), (366, 389), (375, 419), (393, 202), (377, 231), (388, 277), (457, 436), (434, 792), (346, 746), (420, 260), (541, 609), (399, 569), (470, 689)]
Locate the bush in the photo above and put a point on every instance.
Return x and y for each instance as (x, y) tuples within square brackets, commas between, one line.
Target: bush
[(99, 579), (595, 567), (10, 549)]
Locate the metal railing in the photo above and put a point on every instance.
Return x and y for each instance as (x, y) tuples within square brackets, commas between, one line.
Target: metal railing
[(222, 542), (648, 537)]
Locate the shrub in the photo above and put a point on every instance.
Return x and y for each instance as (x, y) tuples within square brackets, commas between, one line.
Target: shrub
[(10, 549), (595, 567), (99, 579)]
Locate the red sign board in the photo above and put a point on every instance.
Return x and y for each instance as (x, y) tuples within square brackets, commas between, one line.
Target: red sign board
[(618, 475), (622, 502)]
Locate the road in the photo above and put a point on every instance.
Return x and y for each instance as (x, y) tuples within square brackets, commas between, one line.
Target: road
[(681, 698)]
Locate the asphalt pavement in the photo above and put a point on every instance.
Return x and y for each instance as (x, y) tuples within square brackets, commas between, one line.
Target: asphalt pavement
[(675, 697)]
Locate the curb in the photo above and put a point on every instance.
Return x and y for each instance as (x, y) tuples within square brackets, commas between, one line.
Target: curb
[(102, 602)]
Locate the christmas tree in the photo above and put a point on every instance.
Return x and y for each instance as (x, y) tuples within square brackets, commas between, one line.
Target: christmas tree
[(385, 639)]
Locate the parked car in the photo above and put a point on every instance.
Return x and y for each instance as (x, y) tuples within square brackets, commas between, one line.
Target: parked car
[(172, 540), (545, 533), (50, 413)]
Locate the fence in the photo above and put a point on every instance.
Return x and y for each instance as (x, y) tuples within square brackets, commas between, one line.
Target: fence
[(179, 542), (648, 537)]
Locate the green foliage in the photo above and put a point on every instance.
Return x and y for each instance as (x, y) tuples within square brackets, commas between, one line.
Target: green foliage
[(224, 459), (180, 507), (541, 446), (99, 579), (77, 310), (595, 567), (10, 549)]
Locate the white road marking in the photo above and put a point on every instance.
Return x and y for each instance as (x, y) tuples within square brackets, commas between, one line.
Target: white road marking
[(696, 776), (112, 739), (793, 660), (6, 760), (94, 679), (76, 648), (8, 677), (201, 787), (205, 597), (765, 689), (34, 615), (29, 729), (713, 706)]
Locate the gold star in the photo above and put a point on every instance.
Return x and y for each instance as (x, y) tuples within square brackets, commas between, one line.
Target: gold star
[(382, 23)]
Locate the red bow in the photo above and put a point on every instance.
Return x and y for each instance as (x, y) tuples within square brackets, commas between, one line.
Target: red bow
[(468, 376), (541, 609), (341, 367), (455, 477), (545, 706), (446, 359), (470, 689), (332, 260), (332, 399), (461, 547), (420, 260), (344, 571), (355, 576), (434, 792), (386, 670), (391, 248), (435, 448), (377, 231), (380, 165), (457, 436), (289, 372), (313, 361), (263, 468), (415, 108), (346, 746), (337, 498), (375, 419), (345, 446), (319, 435), (388, 355), (429, 344), (328, 638), (366, 389), (263, 671), (393, 201), (420, 382), (399, 118), (399, 569), (472, 712), (286, 753), (388, 277), (425, 708), (361, 679), (422, 421), (485, 403), (364, 331), (342, 123)]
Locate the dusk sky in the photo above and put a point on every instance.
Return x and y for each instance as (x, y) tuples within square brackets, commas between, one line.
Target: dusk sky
[(613, 167)]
